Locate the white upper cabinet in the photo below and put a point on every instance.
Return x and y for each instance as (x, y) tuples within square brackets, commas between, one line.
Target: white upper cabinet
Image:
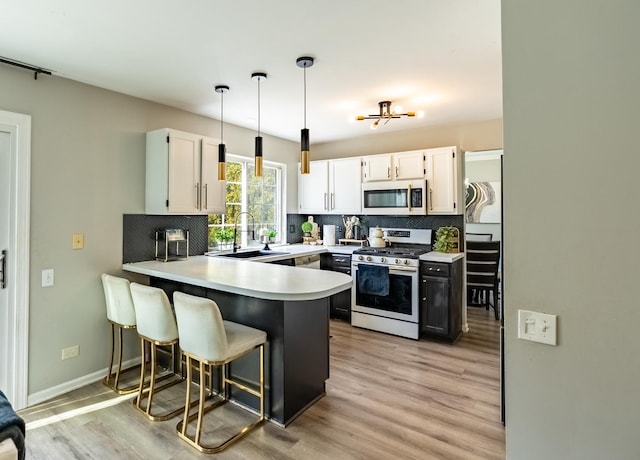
[(443, 181), (409, 165), (181, 174), (392, 166), (345, 192), (331, 187), (376, 167), (312, 188)]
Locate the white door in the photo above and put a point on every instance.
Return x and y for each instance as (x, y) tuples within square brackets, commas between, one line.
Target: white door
[(377, 167), (15, 160), (409, 165), (442, 181), (5, 276)]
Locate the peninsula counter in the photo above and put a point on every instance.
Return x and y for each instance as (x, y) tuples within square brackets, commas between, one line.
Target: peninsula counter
[(290, 304)]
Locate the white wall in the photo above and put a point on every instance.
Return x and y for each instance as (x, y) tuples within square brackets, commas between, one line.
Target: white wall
[(571, 112)]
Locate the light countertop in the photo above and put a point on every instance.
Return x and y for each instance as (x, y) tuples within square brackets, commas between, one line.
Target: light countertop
[(434, 256), (251, 278)]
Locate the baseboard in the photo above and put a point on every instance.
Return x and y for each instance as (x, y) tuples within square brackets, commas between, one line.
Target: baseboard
[(49, 393)]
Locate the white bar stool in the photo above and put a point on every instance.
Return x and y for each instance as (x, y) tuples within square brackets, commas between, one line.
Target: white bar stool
[(206, 338), (156, 325), (121, 315)]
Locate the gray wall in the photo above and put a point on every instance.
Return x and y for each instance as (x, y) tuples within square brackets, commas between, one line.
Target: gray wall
[(87, 171), (571, 113)]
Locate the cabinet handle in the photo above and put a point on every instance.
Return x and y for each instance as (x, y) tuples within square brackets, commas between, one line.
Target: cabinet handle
[(198, 195), (431, 199), (396, 172), (206, 198), (325, 205), (333, 201), (409, 197), (388, 172)]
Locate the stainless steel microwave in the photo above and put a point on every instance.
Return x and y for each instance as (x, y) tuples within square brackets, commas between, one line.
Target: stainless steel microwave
[(404, 198)]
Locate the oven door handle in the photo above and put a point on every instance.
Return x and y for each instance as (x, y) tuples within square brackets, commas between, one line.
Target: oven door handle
[(391, 269)]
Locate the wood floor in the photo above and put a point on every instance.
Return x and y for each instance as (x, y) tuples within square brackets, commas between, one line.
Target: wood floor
[(387, 398)]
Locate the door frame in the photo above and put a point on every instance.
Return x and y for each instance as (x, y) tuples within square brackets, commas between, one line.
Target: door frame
[(16, 366)]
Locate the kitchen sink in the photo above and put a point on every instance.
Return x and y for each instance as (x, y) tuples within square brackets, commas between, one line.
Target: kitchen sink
[(251, 254)]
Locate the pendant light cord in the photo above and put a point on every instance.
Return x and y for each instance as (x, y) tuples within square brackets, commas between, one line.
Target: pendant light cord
[(304, 72), (259, 106), (222, 117)]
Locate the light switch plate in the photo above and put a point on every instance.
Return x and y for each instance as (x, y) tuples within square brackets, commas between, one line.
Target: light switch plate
[(537, 327), (47, 277)]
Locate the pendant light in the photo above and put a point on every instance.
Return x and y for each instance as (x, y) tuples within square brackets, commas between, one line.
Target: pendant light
[(258, 76), (304, 62), (222, 149)]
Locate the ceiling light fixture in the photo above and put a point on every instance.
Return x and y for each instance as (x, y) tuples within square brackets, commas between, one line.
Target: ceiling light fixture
[(222, 149), (305, 157), (258, 76), (385, 114)]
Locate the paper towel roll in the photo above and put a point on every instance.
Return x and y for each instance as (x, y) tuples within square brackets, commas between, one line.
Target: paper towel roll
[(329, 235)]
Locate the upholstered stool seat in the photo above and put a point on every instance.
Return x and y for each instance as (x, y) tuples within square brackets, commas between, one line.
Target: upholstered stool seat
[(121, 315), (156, 325), (210, 341)]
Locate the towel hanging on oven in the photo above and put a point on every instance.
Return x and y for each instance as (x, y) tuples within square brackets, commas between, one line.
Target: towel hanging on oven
[(373, 279)]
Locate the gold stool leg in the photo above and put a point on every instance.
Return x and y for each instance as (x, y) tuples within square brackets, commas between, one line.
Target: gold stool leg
[(115, 384)]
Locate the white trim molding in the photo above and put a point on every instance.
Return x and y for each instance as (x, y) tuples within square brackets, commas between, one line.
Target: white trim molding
[(18, 340)]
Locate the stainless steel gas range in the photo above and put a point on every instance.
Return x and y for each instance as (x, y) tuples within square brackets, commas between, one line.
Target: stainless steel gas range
[(386, 283)]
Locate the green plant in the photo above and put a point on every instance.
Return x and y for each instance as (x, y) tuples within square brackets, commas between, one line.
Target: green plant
[(272, 233), (445, 239), (306, 227), (223, 234)]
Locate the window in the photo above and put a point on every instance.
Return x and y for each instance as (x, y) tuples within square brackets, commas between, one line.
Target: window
[(261, 197)]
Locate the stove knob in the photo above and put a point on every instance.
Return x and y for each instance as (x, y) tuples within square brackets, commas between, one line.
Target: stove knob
[(397, 261), (360, 257), (406, 261), (382, 260), (369, 258)]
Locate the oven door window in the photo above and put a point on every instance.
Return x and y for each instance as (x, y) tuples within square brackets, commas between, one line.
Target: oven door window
[(398, 300), (393, 198)]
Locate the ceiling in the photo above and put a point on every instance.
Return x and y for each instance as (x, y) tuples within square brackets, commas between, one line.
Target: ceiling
[(439, 57)]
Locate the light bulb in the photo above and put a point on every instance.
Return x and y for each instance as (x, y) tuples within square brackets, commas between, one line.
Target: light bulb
[(374, 125)]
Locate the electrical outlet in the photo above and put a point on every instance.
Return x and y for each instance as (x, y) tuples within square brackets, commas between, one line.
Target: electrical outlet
[(339, 229), (70, 352), (292, 228), (47, 277), (77, 241)]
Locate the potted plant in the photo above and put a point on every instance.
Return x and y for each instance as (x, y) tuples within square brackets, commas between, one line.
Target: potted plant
[(447, 239), (306, 228)]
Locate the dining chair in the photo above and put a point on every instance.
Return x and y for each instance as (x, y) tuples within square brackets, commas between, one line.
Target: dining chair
[(483, 259), (210, 341), (478, 236), (156, 325), (121, 315)]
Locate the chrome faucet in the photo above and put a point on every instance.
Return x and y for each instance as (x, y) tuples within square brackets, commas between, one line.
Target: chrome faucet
[(235, 229)]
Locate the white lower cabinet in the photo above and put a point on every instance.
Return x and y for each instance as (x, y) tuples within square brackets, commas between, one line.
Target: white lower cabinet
[(181, 174), (442, 181), (331, 187)]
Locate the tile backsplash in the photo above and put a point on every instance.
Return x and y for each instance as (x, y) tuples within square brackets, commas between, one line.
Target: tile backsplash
[(139, 230), (294, 221)]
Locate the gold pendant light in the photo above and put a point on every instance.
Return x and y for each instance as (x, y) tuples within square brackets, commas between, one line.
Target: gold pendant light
[(305, 157), (222, 149), (258, 76)]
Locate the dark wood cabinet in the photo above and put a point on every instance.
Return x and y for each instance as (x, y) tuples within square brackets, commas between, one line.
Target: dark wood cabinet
[(441, 300), (340, 303)]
